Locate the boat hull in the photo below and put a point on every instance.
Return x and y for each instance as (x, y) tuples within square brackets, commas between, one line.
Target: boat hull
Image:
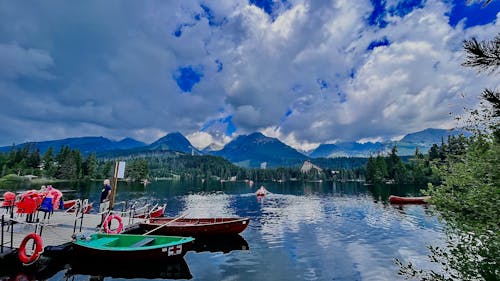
[(409, 200), (196, 226)]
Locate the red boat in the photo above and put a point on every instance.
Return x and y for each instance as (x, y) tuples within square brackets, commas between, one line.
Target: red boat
[(156, 212), (262, 191), (409, 200), (195, 226), (70, 205)]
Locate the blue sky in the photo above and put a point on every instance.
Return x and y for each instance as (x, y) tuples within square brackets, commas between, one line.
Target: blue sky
[(306, 72)]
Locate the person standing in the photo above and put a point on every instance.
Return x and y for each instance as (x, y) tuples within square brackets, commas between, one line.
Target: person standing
[(106, 191), (104, 202)]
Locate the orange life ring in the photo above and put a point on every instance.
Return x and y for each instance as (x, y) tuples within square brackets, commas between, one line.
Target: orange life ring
[(23, 256), (107, 223)]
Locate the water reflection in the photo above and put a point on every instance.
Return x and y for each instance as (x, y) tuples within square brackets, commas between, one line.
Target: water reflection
[(207, 205), (177, 269), (224, 244), (301, 231), (43, 269)]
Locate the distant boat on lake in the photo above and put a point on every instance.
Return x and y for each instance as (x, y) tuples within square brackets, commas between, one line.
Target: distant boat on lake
[(409, 200), (262, 191)]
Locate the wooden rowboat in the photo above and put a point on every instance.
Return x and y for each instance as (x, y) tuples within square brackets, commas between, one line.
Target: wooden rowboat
[(129, 247), (409, 200), (156, 212), (71, 205), (196, 226)]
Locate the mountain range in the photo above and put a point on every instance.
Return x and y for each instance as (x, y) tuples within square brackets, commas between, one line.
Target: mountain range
[(86, 145), (253, 150)]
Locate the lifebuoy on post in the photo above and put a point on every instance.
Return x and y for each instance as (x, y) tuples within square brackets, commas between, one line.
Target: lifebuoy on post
[(107, 223), (23, 256)]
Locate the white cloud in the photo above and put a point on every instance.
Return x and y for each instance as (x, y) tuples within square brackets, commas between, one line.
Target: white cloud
[(107, 69), (203, 139)]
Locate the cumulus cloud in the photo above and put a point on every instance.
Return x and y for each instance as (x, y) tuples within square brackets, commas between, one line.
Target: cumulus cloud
[(308, 72)]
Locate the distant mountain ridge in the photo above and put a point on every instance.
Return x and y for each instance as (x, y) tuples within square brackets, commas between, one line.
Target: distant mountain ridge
[(254, 149), (86, 145), (406, 146), (348, 149), (175, 142), (246, 150)]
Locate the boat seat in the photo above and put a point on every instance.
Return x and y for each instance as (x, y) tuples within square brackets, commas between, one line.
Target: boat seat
[(143, 242)]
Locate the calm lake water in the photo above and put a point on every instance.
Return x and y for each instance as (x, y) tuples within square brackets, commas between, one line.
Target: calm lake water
[(301, 231)]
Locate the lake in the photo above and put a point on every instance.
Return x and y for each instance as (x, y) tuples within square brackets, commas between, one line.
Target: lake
[(301, 231)]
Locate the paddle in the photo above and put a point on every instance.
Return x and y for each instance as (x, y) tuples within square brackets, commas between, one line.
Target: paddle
[(167, 223)]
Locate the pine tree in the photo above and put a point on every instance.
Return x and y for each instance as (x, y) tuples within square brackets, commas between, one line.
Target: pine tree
[(49, 166), (91, 166), (433, 152)]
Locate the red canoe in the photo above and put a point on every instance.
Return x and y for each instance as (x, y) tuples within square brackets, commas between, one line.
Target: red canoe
[(409, 200), (196, 226)]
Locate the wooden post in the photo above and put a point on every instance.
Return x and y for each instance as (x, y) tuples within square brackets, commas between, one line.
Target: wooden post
[(113, 187)]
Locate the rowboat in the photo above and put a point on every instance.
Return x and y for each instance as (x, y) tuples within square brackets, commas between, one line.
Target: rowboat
[(69, 203), (156, 212), (195, 226), (409, 200), (70, 206), (262, 191), (130, 247)]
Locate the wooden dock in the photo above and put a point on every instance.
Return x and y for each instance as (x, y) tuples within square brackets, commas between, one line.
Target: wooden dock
[(56, 230)]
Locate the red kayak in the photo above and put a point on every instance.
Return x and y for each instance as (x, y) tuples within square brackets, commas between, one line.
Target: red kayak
[(196, 226), (409, 200)]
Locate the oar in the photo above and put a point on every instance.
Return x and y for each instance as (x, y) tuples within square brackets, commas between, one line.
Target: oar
[(167, 223)]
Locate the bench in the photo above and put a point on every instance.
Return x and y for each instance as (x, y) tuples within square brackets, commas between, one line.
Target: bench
[(143, 242)]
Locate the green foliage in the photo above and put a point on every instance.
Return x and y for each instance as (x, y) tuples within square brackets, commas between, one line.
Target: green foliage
[(66, 164), (392, 169), (467, 201), (10, 180), (90, 166), (49, 164), (137, 169)]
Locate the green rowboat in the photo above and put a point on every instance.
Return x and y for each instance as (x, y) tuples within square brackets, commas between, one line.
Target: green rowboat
[(131, 246)]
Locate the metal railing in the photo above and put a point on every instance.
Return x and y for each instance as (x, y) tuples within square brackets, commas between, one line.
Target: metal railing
[(9, 229)]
